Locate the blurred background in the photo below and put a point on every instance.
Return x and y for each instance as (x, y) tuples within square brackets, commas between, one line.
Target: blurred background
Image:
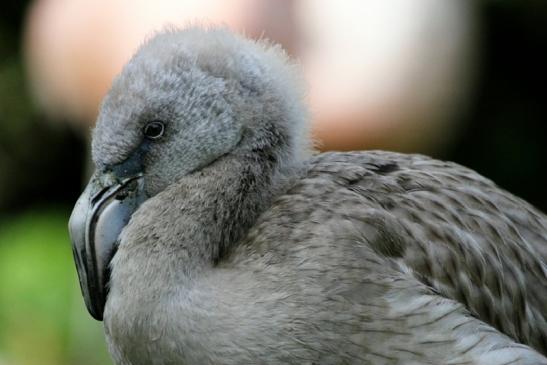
[(462, 80)]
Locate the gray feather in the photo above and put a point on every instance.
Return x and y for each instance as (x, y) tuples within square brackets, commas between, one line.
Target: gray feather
[(250, 251)]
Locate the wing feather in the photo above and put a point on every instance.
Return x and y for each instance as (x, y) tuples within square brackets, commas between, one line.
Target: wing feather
[(459, 233)]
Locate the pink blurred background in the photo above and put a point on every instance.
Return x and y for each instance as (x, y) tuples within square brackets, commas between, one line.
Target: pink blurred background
[(380, 74)]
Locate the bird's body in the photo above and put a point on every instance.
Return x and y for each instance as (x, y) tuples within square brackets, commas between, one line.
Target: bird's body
[(260, 254), (362, 257)]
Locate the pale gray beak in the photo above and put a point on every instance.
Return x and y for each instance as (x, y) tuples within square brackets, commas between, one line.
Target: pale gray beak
[(101, 212)]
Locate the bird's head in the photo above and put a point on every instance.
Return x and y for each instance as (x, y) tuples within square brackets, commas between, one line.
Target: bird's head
[(186, 99)]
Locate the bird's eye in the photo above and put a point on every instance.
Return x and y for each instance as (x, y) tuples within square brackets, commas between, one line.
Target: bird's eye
[(154, 129)]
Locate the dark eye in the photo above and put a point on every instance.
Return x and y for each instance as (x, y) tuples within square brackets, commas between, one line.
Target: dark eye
[(154, 129)]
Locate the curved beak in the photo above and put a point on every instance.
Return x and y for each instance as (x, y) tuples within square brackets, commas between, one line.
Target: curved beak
[(101, 212)]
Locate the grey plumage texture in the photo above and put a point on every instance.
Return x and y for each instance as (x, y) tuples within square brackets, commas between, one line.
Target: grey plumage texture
[(252, 251)]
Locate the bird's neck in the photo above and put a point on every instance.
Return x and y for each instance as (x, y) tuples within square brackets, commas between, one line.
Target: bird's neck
[(192, 224), (223, 202)]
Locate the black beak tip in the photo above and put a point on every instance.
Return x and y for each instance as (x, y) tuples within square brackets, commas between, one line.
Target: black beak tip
[(94, 303), (96, 310)]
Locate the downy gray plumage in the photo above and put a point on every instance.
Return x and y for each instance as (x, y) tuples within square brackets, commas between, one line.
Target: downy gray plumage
[(248, 248)]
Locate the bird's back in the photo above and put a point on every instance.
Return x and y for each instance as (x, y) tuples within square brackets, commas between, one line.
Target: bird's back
[(442, 226)]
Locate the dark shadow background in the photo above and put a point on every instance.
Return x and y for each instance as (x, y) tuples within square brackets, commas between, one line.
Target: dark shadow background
[(40, 161), (504, 137)]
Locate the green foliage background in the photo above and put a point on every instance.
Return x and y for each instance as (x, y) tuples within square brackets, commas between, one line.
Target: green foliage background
[(42, 314)]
